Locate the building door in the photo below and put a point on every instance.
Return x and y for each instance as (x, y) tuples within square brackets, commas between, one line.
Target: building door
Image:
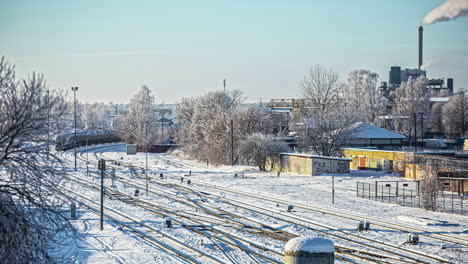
[(362, 163)]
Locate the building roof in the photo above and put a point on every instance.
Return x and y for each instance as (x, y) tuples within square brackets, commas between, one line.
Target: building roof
[(313, 156), (365, 130), (439, 99)]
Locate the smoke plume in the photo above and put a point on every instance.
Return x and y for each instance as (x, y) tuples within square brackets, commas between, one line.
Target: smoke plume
[(451, 9)]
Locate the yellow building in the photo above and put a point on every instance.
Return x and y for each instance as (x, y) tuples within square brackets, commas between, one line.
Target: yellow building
[(375, 159), (309, 164)]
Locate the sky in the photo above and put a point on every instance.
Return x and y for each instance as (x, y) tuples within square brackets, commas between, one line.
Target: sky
[(109, 48)]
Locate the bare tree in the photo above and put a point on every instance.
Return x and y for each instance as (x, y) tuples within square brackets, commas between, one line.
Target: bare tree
[(256, 148), (29, 179), (205, 125), (327, 117), (456, 114), (139, 124), (430, 185), (95, 115), (364, 97), (437, 120), (412, 98)]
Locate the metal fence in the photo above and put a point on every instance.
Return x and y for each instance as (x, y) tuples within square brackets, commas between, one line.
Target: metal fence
[(408, 194)]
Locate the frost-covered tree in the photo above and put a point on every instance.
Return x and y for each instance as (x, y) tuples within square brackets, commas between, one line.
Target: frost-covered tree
[(139, 124), (363, 95), (456, 114), (437, 120), (327, 118), (411, 99), (95, 116), (206, 125), (256, 148), (29, 178)]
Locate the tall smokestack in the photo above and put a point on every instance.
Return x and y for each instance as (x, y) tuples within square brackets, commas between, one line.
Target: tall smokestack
[(420, 62)]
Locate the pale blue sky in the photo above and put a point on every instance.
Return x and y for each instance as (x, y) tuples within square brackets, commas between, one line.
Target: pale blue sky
[(185, 48)]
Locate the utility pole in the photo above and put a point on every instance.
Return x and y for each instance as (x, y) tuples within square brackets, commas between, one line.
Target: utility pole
[(415, 133), (462, 93), (333, 183), (162, 123), (146, 154), (102, 167), (224, 84), (74, 89), (422, 126), (48, 125), (232, 142), (87, 162)]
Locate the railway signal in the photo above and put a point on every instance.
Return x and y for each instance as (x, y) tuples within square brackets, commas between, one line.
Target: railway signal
[(102, 167)]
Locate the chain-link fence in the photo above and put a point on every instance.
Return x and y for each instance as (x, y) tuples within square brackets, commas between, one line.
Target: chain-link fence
[(409, 194)]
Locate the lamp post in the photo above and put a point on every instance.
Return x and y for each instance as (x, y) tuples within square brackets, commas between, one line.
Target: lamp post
[(74, 89)]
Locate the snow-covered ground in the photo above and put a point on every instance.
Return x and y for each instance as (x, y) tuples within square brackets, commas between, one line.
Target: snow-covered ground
[(117, 245)]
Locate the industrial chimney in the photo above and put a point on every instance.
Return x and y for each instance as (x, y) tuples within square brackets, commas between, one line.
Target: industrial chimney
[(420, 47)]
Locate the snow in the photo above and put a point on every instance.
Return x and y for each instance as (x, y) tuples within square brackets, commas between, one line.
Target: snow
[(113, 245), (440, 99), (310, 244), (365, 130), (313, 156)]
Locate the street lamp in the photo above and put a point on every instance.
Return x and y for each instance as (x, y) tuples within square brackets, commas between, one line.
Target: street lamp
[(74, 89)]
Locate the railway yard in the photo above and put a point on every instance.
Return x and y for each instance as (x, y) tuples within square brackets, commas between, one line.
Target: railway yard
[(193, 213)]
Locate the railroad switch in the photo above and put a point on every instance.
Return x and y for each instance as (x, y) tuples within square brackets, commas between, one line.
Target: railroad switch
[(413, 239), (137, 192), (363, 226), (161, 175), (290, 207), (181, 179), (169, 222), (189, 181), (73, 210)]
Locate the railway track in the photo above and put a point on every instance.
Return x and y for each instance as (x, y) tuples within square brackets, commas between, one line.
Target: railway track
[(377, 222), (165, 212), (138, 232), (268, 213), (346, 251)]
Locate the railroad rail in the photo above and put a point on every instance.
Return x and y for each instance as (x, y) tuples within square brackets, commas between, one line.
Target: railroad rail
[(247, 207)]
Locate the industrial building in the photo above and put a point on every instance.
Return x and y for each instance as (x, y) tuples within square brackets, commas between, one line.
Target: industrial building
[(436, 87)]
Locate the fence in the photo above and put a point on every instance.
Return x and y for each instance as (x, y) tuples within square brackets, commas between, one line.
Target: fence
[(408, 194)]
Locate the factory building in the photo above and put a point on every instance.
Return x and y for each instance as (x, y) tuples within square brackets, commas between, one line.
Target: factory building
[(436, 87)]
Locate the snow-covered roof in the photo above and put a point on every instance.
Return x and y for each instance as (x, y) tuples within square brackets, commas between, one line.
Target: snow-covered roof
[(365, 130), (313, 156), (310, 245), (439, 99)]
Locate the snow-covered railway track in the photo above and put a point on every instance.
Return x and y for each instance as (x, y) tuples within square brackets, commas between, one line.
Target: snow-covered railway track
[(376, 222), (186, 258), (388, 252), (342, 251), (221, 189), (194, 226), (389, 248)]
